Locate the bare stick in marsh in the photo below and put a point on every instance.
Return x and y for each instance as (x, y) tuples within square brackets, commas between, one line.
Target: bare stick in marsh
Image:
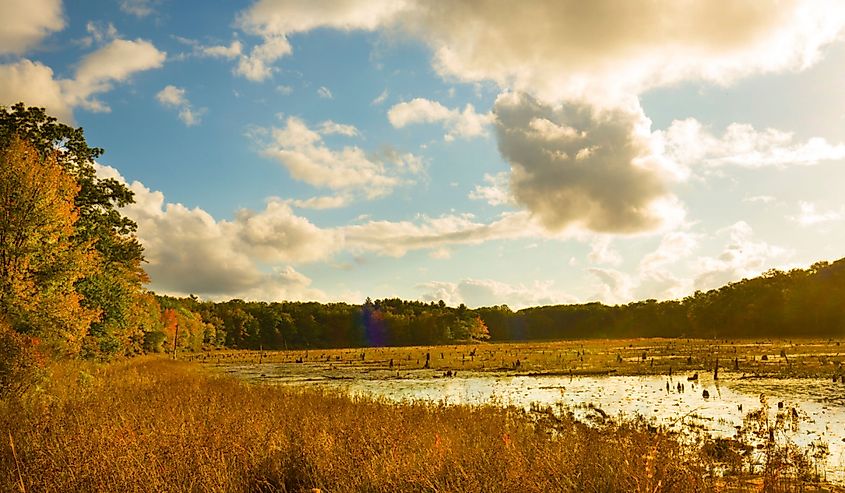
[(21, 484)]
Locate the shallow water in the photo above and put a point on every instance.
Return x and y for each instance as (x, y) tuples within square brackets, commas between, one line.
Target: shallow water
[(821, 403)]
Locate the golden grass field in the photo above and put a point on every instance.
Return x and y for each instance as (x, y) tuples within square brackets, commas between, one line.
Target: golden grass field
[(154, 424)]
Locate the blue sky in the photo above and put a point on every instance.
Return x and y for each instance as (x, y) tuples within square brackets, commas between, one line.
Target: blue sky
[(553, 153)]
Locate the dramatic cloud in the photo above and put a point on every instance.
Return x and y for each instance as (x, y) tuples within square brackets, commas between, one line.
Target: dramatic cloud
[(610, 50), (464, 124), (485, 292), (565, 50), (689, 144), (175, 97), (27, 22), (302, 151), (573, 165)]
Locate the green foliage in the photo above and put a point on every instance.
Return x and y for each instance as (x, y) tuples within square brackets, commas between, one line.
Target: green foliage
[(113, 284)]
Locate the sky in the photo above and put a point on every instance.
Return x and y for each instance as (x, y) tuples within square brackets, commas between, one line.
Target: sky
[(472, 151)]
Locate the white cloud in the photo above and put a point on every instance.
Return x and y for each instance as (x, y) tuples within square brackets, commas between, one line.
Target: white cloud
[(614, 287), (486, 292), (396, 238), (285, 90), (689, 144), (99, 33), (188, 251), (741, 258), (496, 192), (27, 22), (329, 127), (601, 251), (33, 83), (175, 97), (809, 216), (324, 202), (381, 98), (302, 151), (324, 93), (765, 199), (257, 65), (561, 50), (234, 50), (464, 123), (114, 62), (138, 8)]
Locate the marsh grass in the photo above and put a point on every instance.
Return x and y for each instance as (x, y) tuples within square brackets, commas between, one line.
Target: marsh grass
[(152, 424), (652, 356)]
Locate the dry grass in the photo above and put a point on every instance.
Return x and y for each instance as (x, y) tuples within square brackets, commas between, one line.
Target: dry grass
[(803, 358), (151, 424), (157, 425)]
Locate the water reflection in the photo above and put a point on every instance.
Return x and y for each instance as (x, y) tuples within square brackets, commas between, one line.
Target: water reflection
[(678, 404)]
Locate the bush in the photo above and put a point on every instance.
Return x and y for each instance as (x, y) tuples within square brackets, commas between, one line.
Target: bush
[(21, 364)]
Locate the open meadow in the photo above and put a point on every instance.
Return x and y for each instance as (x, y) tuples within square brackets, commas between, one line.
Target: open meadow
[(152, 424)]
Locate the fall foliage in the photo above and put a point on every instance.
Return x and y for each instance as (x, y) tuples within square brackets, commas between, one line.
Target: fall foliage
[(40, 259)]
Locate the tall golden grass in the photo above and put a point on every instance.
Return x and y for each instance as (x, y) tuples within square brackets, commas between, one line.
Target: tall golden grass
[(152, 424)]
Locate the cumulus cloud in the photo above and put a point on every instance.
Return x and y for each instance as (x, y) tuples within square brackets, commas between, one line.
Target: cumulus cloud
[(487, 292), (464, 123), (302, 151), (96, 73), (175, 97), (582, 69), (602, 251), (689, 144), (605, 50), (33, 83), (564, 50), (189, 251), (573, 165), (27, 22)]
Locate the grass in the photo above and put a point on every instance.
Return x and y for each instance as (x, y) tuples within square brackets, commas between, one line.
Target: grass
[(775, 358), (151, 424)]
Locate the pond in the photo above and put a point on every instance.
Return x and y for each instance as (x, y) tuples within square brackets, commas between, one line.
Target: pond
[(675, 403)]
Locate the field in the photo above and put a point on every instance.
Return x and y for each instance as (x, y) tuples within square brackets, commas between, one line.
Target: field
[(154, 424), (748, 359)]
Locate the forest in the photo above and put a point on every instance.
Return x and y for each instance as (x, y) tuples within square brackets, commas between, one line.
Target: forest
[(72, 283)]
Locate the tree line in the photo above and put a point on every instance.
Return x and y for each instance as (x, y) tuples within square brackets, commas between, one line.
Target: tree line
[(72, 283)]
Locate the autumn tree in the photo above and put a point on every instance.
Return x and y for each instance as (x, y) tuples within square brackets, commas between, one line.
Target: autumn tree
[(115, 288), (41, 257)]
